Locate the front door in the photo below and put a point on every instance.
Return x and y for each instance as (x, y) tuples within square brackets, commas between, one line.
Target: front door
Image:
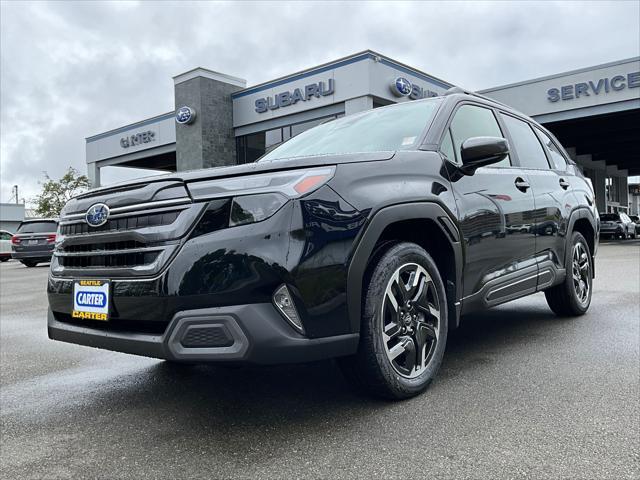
[(496, 213)]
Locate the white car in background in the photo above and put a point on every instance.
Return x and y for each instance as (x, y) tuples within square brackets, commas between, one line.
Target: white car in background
[(5, 245)]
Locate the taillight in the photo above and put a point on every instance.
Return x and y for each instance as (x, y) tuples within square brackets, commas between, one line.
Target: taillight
[(51, 238), (15, 240)]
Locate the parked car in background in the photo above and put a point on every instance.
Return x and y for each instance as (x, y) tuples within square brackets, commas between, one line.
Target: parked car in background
[(617, 225), (5, 245), (635, 219), (34, 241)]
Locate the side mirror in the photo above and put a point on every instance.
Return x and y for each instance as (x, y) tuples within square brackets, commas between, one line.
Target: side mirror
[(478, 152)]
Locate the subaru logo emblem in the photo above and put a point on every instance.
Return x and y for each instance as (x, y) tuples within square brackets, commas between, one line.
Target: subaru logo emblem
[(185, 115), (401, 87), (97, 215)]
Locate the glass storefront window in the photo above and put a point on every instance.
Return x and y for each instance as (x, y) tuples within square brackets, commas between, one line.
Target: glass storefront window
[(251, 147), (273, 137)]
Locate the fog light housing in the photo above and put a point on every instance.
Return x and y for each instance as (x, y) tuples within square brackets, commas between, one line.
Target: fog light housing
[(283, 301)]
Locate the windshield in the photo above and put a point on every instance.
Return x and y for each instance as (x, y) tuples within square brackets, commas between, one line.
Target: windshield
[(38, 227), (391, 128), (609, 217)]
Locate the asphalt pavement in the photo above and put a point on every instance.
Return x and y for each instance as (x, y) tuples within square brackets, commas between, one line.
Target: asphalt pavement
[(521, 394)]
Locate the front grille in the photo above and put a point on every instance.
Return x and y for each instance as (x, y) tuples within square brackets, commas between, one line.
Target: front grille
[(99, 247), (207, 336), (132, 222), (136, 242), (121, 260)]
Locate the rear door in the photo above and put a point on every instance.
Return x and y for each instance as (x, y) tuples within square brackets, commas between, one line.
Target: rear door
[(552, 194), (495, 211)]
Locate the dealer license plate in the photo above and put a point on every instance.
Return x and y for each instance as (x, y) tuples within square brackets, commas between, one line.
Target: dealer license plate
[(32, 242), (91, 300)]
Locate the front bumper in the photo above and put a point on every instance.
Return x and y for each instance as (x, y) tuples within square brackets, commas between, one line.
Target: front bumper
[(254, 333)]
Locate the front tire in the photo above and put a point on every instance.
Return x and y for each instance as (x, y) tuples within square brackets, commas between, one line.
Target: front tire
[(29, 263), (404, 325), (573, 296)]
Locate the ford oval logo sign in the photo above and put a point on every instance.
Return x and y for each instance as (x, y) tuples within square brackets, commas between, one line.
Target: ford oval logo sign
[(185, 115), (97, 215), (401, 87)]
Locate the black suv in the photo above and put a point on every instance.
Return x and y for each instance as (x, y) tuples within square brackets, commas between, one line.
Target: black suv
[(365, 238)]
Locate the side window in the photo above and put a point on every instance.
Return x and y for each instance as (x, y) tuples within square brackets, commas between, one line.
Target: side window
[(473, 121), (556, 155), (5, 236), (447, 147), (530, 152)]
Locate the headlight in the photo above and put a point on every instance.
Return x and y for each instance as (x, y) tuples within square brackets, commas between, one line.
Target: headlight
[(252, 198), (290, 183)]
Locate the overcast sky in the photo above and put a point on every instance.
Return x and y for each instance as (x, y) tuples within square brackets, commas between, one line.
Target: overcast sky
[(71, 70)]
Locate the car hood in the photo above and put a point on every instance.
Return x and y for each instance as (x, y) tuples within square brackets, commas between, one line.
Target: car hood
[(174, 186)]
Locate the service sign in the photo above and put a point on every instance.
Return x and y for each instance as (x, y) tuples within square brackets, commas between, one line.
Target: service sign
[(91, 300)]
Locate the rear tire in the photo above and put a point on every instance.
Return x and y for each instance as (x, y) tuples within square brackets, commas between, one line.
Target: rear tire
[(4, 259), (403, 333), (573, 296), (28, 263)]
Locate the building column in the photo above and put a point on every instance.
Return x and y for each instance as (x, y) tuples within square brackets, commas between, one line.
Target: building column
[(358, 104), (600, 188), (207, 141), (93, 172)]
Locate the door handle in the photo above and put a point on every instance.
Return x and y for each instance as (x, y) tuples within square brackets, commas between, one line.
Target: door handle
[(522, 185), (563, 183)]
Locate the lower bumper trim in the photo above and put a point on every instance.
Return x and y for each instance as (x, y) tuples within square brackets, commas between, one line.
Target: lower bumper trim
[(259, 334)]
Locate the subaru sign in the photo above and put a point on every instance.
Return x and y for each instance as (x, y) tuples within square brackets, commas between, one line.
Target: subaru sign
[(97, 215), (185, 115), (284, 99), (402, 87)]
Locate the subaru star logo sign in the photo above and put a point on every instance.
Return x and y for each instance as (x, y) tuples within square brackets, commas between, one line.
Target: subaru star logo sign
[(185, 115), (401, 87), (97, 215)]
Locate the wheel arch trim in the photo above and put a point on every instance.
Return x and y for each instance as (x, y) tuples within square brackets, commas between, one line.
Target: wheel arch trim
[(580, 213), (382, 219)]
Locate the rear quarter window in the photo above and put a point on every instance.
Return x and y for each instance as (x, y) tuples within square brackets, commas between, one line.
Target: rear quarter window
[(557, 158)]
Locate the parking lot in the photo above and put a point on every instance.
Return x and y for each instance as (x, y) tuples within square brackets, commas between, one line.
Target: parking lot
[(521, 394)]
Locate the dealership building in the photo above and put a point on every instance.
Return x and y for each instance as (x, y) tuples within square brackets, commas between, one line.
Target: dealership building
[(218, 120)]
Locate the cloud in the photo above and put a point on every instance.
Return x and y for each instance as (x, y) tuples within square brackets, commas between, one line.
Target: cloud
[(71, 70)]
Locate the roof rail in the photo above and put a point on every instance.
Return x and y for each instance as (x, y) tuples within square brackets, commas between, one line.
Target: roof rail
[(454, 90)]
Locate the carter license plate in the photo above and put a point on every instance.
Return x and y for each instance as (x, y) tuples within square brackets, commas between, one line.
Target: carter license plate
[(91, 300)]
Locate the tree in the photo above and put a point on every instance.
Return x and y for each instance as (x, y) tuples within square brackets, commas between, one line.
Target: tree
[(55, 193)]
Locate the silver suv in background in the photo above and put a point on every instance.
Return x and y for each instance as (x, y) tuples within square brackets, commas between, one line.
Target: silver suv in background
[(617, 225), (34, 241)]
